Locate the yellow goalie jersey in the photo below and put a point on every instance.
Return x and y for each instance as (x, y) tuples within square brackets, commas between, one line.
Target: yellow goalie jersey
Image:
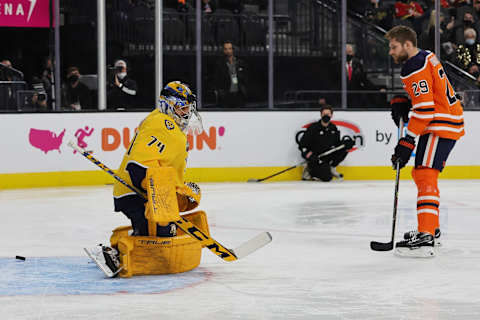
[(158, 142)]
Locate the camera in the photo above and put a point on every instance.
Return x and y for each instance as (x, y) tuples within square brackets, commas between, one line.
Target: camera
[(40, 90), (115, 70)]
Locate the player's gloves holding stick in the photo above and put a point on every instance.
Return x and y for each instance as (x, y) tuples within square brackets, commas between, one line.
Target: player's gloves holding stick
[(348, 142), (403, 151), (400, 107)]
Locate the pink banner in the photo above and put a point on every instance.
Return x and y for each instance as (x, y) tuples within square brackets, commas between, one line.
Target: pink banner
[(25, 13)]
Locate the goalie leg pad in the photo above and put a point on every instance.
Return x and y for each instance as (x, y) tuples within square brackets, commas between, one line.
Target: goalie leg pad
[(159, 255), (162, 206), (428, 199)]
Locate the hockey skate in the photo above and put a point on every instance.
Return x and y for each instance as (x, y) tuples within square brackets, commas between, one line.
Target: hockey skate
[(306, 174), (106, 259), (410, 234), (336, 174), (420, 245)]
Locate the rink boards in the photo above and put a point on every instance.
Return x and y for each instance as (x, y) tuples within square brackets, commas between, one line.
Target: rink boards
[(235, 146)]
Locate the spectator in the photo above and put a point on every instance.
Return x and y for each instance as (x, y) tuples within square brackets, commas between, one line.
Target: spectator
[(122, 90), (428, 36), (230, 78), (456, 31), (468, 53), (356, 79), (378, 14), (180, 5), (39, 102), (76, 95), (320, 137), (209, 6), (40, 97), (410, 13), (47, 79), (476, 8), (322, 102)]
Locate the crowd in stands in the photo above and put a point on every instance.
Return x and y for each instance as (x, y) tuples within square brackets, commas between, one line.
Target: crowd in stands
[(459, 26), (77, 92)]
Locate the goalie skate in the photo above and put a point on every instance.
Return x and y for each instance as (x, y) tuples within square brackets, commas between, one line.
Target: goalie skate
[(106, 259), (420, 245)]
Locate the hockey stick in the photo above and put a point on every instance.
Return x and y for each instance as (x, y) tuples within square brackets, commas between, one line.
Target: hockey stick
[(189, 228), (326, 153), (382, 246)]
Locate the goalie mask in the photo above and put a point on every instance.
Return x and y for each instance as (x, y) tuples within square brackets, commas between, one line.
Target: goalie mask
[(177, 101)]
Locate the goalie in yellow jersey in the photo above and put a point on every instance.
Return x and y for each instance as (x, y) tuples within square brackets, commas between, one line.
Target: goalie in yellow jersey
[(155, 163)]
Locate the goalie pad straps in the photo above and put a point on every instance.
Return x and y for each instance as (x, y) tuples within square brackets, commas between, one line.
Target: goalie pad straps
[(162, 206), (428, 199)]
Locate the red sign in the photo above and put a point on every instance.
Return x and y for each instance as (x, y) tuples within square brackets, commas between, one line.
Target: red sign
[(25, 13)]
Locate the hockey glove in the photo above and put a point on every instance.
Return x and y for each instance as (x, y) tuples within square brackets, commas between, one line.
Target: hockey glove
[(400, 107), (403, 151), (348, 142)]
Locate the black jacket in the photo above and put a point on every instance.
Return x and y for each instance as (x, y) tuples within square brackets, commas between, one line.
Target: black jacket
[(223, 80), (319, 139), (80, 93), (123, 96)]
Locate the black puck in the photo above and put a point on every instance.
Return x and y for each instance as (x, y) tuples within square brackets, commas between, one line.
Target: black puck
[(19, 257)]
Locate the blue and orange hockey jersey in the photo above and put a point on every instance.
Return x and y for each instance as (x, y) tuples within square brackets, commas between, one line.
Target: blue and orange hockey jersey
[(435, 108)]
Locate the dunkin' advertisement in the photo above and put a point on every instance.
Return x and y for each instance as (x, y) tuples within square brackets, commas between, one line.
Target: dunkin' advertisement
[(39, 142)]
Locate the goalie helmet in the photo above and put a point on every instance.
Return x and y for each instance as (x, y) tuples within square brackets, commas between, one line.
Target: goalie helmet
[(177, 101)]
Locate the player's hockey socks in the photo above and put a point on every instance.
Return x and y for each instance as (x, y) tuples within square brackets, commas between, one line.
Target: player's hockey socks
[(106, 259), (421, 245)]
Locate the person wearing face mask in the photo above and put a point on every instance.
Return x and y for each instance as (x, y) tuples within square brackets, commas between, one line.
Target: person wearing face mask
[(468, 54), (356, 80), (320, 137), (76, 95), (122, 89), (466, 21)]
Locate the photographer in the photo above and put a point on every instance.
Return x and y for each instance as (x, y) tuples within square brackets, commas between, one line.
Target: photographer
[(121, 90), (320, 137), (40, 97), (76, 95)]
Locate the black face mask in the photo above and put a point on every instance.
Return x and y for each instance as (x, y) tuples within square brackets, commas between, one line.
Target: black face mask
[(326, 118), (73, 78), (349, 57), (467, 23)]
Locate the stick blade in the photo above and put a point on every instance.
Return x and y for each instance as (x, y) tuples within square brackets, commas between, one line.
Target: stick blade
[(253, 180), (381, 246), (253, 245)]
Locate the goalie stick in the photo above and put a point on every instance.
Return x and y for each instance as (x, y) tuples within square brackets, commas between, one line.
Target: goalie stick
[(387, 246), (189, 228), (326, 153)]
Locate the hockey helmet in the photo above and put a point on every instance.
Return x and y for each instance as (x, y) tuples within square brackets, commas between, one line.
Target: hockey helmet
[(179, 102)]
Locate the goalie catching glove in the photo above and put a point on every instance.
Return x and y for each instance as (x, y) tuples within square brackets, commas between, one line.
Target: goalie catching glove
[(188, 196)]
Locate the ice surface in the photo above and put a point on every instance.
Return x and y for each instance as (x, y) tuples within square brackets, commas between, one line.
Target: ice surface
[(319, 265)]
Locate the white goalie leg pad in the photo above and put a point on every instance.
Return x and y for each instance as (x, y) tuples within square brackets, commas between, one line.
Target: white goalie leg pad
[(420, 252)]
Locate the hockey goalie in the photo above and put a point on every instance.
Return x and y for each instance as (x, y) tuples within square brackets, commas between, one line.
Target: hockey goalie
[(155, 164)]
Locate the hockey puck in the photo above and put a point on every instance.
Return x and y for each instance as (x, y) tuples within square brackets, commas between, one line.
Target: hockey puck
[(20, 258)]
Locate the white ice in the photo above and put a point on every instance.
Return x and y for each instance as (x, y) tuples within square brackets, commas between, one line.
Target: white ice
[(319, 265)]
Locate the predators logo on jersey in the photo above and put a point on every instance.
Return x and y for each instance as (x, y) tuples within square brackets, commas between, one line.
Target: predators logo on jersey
[(169, 124)]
